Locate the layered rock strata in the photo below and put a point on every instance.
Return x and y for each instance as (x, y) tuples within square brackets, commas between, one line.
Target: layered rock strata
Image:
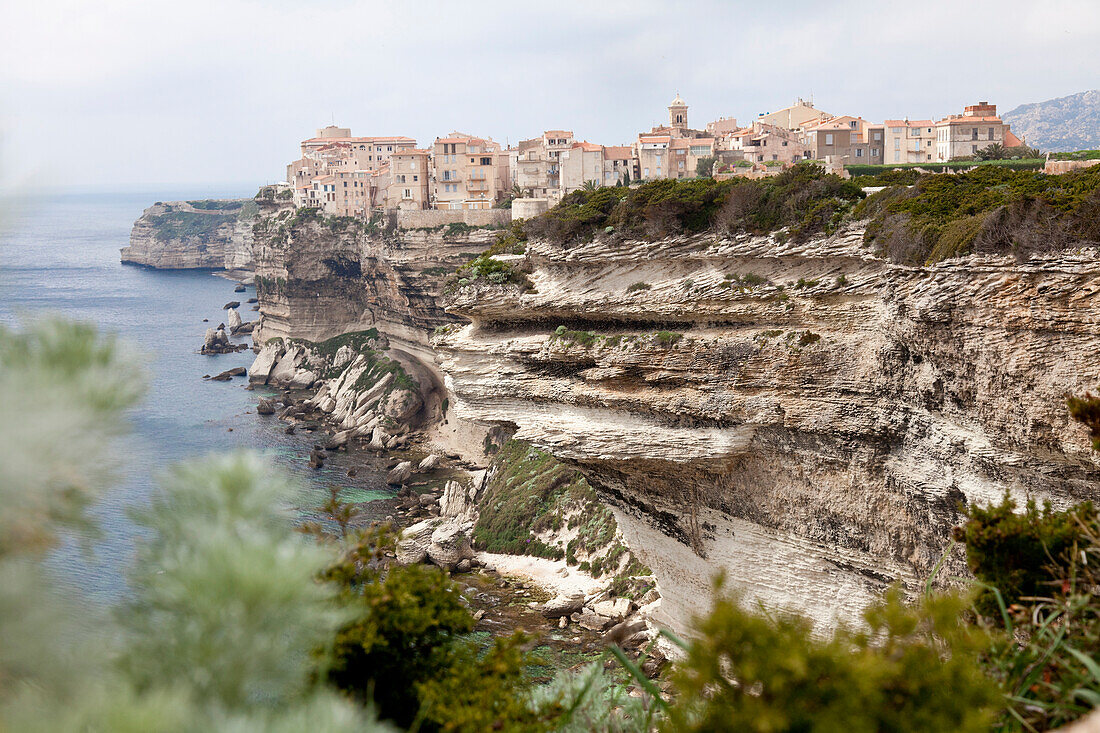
[(177, 235), (808, 417)]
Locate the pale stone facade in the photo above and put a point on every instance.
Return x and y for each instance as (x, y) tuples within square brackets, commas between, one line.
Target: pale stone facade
[(910, 141), (538, 164), (958, 136), (845, 140), (466, 172), (410, 184), (798, 115)]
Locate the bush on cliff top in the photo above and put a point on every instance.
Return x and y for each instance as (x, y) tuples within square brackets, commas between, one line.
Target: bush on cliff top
[(989, 209), (804, 198)]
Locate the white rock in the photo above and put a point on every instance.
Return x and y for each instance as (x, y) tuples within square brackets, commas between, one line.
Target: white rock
[(400, 473), (429, 463)]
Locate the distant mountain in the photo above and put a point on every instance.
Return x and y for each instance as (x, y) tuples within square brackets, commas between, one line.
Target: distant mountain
[(1066, 123)]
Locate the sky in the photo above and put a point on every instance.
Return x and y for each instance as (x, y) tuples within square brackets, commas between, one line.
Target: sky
[(130, 94)]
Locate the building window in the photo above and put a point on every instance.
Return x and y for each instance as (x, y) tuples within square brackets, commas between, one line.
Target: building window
[(859, 152), (828, 138)]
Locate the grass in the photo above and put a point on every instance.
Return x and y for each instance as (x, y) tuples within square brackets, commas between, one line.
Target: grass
[(639, 286), (531, 496)]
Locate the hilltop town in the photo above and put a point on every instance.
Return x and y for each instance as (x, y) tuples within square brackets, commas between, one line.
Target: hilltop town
[(346, 175)]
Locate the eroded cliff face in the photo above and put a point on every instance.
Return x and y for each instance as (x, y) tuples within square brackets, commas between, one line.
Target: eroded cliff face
[(317, 278), (179, 235), (807, 417)]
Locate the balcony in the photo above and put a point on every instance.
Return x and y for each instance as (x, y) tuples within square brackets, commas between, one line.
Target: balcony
[(477, 185)]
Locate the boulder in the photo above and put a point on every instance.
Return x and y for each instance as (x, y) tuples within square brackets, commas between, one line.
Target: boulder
[(246, 327), (400, 473), (615, 609), (563, 605), (253, 300), (378, 439), (302, 379), (260, 371), (456, 501), (620, 632), (283, 371), (265, 407), (239, 289), (401, 404), (231, 304), (429, 463), (592, 621), (343, 355), (340, 439), (233, 319), (450, 545), (317, 457), (412, 546)]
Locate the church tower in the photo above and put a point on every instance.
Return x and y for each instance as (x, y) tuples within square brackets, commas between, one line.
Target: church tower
[(678, 113)]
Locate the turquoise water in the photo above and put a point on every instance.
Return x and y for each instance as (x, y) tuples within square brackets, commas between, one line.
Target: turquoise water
[(61, 255)]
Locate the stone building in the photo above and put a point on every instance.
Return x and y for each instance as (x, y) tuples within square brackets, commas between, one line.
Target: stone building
[(466, 174), (910, 141), (844, 140), (410, 179), (959, 136), (538, 164)]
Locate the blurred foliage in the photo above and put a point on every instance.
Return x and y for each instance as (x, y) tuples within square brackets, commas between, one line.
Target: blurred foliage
[(912, 668), (406, 622), (1022, 554)]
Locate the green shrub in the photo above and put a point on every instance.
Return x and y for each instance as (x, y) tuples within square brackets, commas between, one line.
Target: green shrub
[(1021, 554), (668, 338), (914, 669), (989, 209), (639, 286)]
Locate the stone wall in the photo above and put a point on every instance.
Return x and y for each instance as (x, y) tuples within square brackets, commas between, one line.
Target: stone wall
[(428, 218)]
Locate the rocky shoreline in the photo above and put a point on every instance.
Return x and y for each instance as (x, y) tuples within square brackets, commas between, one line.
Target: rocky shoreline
[(354, 397)]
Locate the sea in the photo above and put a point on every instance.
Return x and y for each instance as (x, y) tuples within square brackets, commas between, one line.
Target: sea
[(60, 255)]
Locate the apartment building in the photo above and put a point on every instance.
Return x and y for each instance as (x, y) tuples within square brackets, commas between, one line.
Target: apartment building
[(335, 150), (763, 142), (538, 164), (958, 136), (410, 179), (466, 172), (910, 141), (844, 140)]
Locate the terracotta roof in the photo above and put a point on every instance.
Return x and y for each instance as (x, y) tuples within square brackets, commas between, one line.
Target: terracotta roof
[(654, 138), (909, 123), (618, 152), (1011, 141), (587, 146), (413, 151), (558, 133)]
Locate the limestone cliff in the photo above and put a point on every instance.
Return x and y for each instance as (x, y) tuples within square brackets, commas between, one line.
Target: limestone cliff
[(208, 234), (318, 277), (808, 417)]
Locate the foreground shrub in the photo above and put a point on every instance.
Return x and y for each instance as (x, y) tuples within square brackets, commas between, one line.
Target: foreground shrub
[(913, 669), (407, 619), (1022, 555)]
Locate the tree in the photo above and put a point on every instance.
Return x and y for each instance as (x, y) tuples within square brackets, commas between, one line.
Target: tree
[(705, 166), (993, 151)]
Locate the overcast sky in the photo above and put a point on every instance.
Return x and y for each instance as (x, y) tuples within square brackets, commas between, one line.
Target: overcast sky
[(121, 94)]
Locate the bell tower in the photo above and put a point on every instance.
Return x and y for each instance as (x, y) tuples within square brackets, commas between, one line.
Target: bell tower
[(678, 113)]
